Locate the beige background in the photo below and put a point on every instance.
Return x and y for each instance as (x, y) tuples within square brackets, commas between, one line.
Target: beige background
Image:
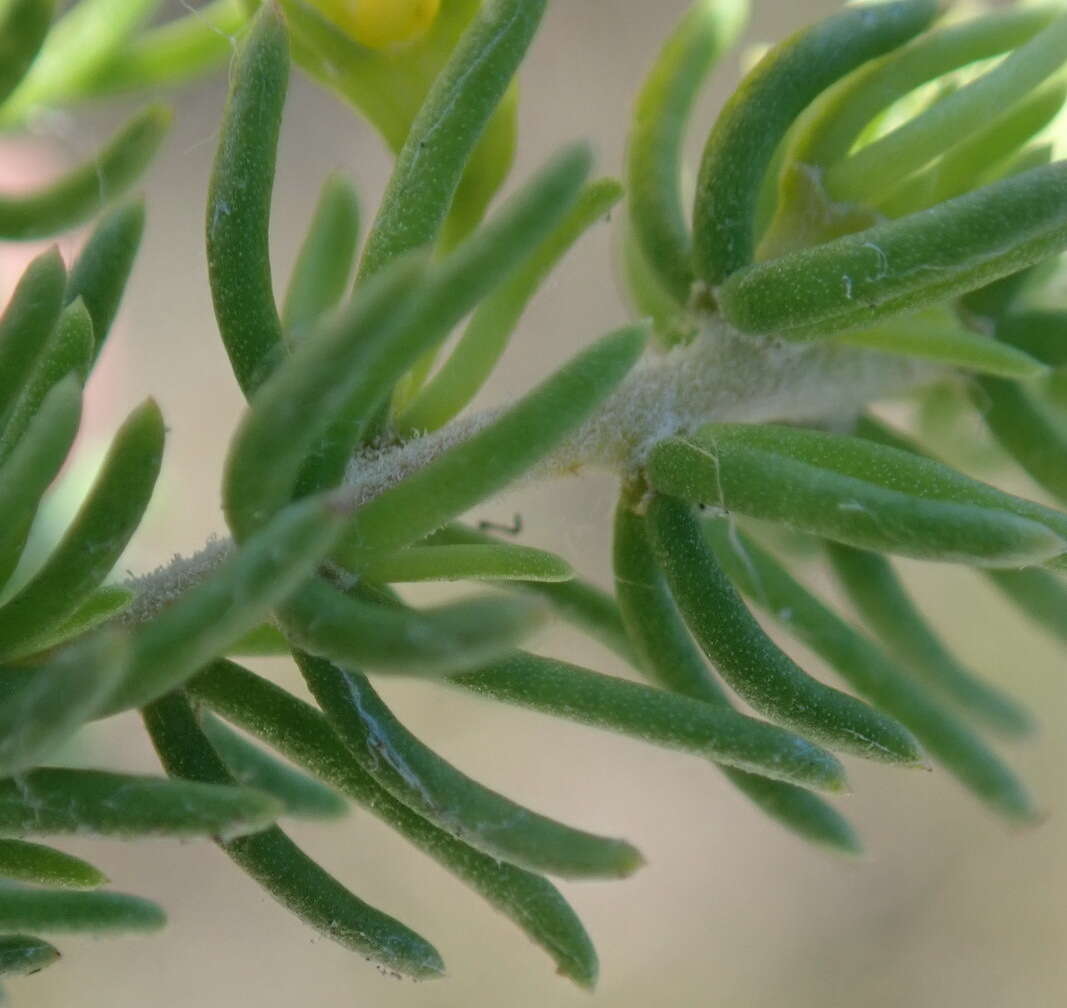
[(948, 908)]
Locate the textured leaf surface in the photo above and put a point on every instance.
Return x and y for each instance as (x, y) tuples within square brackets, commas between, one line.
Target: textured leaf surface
[(753, 122), (57, 912), (655, 716), (670, 658), (280, 866), (767, 678), (303, 734), (53, 801), (853, 491), (865, 667), (75, 197), (35, 863), (429, 785)]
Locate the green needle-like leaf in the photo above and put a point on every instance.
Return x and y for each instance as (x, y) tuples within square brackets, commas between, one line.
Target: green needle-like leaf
[(753, 122), (264, 640), (1033, 433), (301, 796), (657, 717), (315, 385), (27, 322), (933, 335), (1039, 594), (853, 491), (21, 955), (439, 792), (304, 888), (74, 198), (101, 607), (54, 801), (807, 212), (95, 539), (439, 143), (42, 709), (303, 734), (584, 605), (587, 607), (324, 265), (1041, 334), (34, 863), (904, 264), (487, 169), (668, 654), (238, 208), (175, 51), (449, 293), (945, 123), (85, 39), (31, 467), (989, 304), (57, 912), (68, 350), (769, 681), (486, 336), (23, 29), (840, 119), (350, 631), (833, 126), (865, 667), (647, 297), (885, 607), (965, 164), (237, 598), (950, 484), (661, 117), (103, 267), (489, 460), (503, 562), (281, 867)]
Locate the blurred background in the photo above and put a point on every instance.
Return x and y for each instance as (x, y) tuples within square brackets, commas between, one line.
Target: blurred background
[(948, 907)]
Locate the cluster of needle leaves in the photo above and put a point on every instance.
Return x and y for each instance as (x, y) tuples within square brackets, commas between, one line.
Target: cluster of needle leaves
[(877, 190)]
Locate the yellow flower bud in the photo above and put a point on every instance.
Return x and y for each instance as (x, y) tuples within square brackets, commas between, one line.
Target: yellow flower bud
[(379, 24)]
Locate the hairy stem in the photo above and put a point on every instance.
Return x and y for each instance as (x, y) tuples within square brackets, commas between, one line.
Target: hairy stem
[(723, 375)]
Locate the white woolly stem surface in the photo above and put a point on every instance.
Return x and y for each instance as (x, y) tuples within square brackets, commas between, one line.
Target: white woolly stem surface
[(723, 375)]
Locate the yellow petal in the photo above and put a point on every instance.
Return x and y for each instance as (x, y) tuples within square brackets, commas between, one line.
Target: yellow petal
[(379, 24)]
